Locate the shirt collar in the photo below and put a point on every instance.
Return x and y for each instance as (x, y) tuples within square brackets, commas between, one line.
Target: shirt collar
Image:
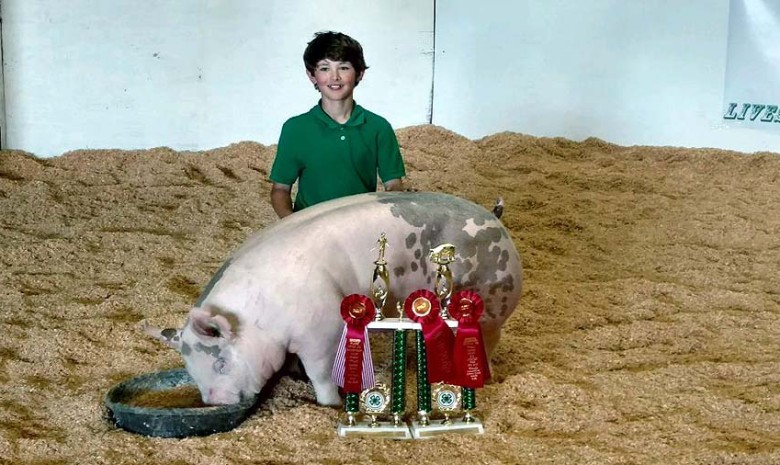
[(357, 117)]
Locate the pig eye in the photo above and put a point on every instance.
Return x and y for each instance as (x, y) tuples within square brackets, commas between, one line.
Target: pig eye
[(220, 366)]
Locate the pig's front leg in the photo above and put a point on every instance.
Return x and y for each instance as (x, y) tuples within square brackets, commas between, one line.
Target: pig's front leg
[(319, 365)]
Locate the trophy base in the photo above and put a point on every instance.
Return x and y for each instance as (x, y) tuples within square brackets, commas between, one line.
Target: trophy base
[(437, 428), (382, 429)]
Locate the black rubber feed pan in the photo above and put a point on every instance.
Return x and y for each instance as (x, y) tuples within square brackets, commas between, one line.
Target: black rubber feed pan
[(167, 422)]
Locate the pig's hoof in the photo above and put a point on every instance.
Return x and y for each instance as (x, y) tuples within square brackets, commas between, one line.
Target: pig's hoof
[(168, 404)]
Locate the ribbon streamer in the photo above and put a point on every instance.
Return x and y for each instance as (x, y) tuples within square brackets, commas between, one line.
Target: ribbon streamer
[(423, 307), (353, 368), (471, 364)]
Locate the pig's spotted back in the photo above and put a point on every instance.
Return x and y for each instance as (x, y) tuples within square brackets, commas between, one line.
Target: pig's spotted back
[(483, 245)]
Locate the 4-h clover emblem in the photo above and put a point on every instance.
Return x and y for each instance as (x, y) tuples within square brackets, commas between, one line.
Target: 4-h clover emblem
[(446, 397), (376, 400)]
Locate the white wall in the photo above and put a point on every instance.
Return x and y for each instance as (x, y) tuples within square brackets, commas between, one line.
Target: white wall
[(195, 74), (647, 72)]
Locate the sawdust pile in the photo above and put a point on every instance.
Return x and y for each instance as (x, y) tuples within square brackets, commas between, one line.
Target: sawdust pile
[(648, 331)]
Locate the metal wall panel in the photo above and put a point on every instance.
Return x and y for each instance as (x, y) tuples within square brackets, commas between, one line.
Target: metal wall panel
[(632, 73), (196, 74)]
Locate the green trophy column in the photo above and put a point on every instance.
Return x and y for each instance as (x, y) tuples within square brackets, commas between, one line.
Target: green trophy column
[(352, 406), (469, 402), (399, 376), (423, 387)]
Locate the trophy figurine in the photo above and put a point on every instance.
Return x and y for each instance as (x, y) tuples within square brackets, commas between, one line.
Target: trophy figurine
[(380, 281), (442, 256)]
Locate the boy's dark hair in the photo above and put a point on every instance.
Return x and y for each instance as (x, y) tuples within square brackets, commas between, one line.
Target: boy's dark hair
[(334, 46)]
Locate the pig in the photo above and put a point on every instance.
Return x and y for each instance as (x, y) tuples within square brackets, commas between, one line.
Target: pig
[(280, 292)]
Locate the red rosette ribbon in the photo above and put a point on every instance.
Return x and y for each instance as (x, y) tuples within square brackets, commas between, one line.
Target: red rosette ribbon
[(423, 307), (353, 368), (471, 364)]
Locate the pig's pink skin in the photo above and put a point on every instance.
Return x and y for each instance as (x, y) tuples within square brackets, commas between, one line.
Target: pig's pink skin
[(281, 290)]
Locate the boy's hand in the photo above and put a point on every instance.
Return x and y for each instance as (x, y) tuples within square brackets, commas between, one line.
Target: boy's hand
[(394, 185)]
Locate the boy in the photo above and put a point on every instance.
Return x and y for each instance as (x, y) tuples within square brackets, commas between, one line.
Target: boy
[(338, 147)]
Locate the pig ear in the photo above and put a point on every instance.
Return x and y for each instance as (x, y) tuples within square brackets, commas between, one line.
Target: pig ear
[(168, 336), (205, 324)]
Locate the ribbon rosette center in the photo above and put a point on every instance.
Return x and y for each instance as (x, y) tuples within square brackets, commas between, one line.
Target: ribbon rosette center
[(423, 307)]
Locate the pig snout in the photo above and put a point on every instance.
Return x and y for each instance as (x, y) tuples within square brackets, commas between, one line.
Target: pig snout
[(220, 397)]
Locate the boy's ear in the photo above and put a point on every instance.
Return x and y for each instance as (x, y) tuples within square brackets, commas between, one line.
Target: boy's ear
[(312, 79), (360, 77)]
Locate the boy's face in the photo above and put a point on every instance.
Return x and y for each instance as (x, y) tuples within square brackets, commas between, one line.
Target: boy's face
[(336, 80)]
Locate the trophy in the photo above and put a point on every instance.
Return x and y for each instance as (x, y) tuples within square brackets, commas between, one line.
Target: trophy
[(378, 410), (441, 394), (449, 367)]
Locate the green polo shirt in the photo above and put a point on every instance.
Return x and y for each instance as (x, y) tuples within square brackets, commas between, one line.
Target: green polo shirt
[(331, 160)]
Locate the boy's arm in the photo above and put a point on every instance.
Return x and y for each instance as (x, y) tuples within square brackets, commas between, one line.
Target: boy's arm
[(390, 161), (281, 199)]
